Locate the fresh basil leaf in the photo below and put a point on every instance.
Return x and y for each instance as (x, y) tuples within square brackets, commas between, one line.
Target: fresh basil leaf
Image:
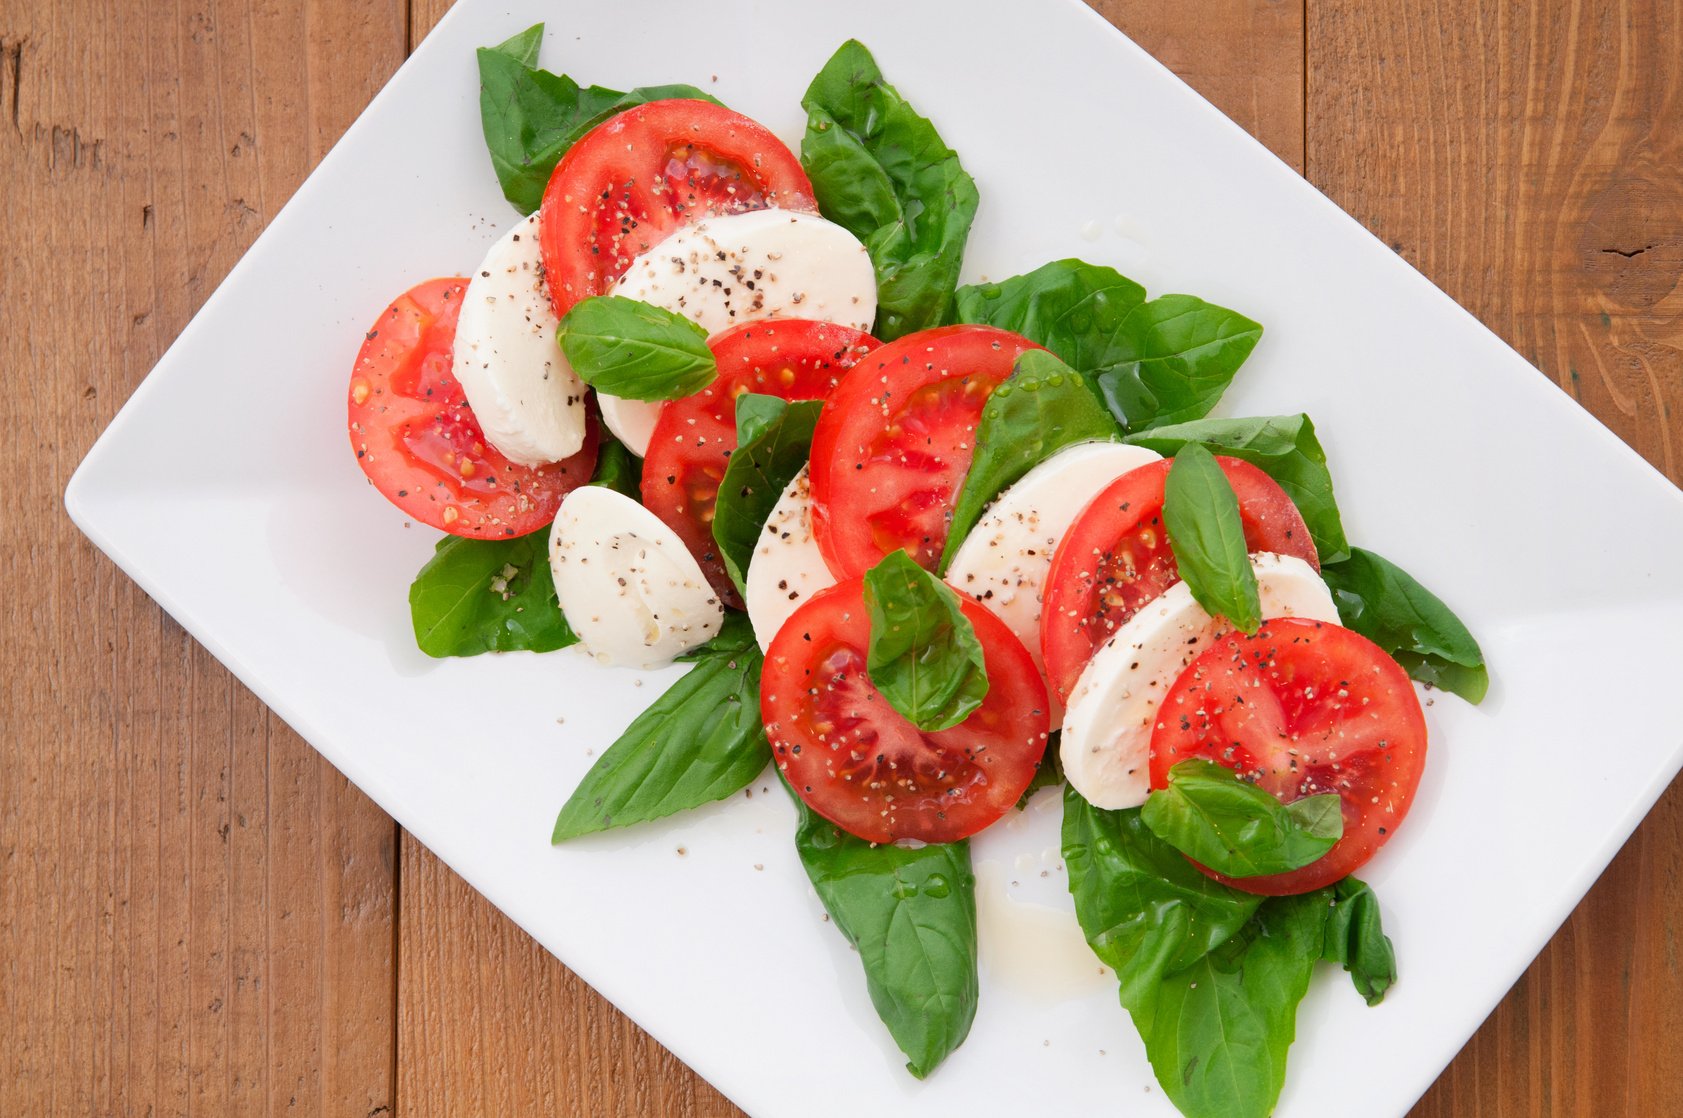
[(880, 170), (774, 440), (1235, 828), (735, 635), (1284, 447), (1158, 362), (1201, 516), (478, 596), (1356, 940), (635, 350), (617, 468), (701, 741), (530, 117), (912, 915), (1042, 407), (1384, 603), (1048, 774), (924, 655)]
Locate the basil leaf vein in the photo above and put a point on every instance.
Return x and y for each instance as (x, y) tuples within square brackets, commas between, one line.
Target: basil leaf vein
[(634, 350), (774, 440), (923, 653), (1201, 516), (1235, 828), (478, 596)]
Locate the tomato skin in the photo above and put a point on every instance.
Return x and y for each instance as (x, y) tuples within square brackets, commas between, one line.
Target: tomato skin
[(1116, 557), (816, 699), (893, 446), (1302, 707), (795, 359), (418, 441), (633, 179)]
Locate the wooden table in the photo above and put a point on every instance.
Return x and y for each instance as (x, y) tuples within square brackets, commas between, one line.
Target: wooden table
[(198, 914)]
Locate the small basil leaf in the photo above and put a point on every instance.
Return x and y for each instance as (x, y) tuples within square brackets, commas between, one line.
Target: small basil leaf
[(1356, 940), (617, 468), (774, 440), (1042, 407), (1201, 516), (1384, 603), (635, 350), (478, 596), (700, 741), (1235, 828), (923, 655), (881, 171), (1164, 361), (912, 915), (1284, 447)]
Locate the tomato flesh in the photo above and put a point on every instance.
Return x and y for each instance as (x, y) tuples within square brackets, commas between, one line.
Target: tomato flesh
[(633, 179), (794, 359), (1116, 557), (856, 761), (419, 442), (1301, 708), (896, 440)]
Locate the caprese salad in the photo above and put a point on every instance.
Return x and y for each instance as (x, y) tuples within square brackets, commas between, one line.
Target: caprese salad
[(929, 547)]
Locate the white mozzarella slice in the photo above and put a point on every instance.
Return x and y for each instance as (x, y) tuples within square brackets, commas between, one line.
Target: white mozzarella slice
[(723, 271), (628, 585), (786, 568), (1004, 559), (528, 400), (1106, 739)]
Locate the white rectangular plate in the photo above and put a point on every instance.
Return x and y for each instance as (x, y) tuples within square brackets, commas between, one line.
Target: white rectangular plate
[(227, 490)]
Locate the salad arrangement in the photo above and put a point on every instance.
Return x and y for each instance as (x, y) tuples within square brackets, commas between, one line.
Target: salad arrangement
[(930, 548)]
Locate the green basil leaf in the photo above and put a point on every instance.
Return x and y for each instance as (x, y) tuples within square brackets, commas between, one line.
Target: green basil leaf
[(635, 350), (774, 440), (1042, 407), (881, 171), (478, 596), (924, 655), (736, 634), (530, 117), (1284, 447), (1356, 940), (1158, 362), (1235, 828), (700, 741), (617, 468), (912, 915), (1049, 773), (1201, 516), (1383, 602)]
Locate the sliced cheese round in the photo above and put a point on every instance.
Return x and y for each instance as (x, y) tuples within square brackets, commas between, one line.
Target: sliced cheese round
[(629, 587), (528, 400), (786, 568), (1106, 742), (723, 271)]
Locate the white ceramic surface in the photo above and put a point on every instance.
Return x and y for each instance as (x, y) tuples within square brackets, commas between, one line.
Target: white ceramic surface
[(1452, 456)]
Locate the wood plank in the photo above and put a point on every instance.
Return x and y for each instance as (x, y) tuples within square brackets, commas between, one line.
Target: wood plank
[(1525, 158), (195, 910), (488, 1023)]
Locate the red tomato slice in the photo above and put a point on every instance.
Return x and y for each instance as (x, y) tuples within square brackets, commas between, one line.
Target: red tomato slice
[(636, 177), (1116, 557), (1302, 708), (418, 441), (859, 764), (896, 440), (792, 358)]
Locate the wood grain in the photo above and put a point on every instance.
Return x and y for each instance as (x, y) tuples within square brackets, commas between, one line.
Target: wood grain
[(195, 909), (1526, 158)]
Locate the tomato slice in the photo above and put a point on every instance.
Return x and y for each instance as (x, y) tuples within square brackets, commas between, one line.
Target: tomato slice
[(859, 764), (634, 178), (418, 441), (894, 444), (1301, 708), (1116, 557), (795, 359)]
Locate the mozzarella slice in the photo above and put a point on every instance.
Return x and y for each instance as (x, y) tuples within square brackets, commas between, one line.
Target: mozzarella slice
[(628, 585), (528, 400), (724, 271), (786, 568), (1004, 559), (1106, 739)]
